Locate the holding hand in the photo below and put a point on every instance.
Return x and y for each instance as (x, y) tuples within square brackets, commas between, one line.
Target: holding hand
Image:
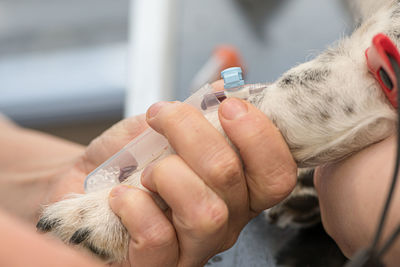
[(211, 193)]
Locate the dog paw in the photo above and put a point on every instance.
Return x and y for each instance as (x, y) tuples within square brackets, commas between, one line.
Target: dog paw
[(87, 221), (301, 208)]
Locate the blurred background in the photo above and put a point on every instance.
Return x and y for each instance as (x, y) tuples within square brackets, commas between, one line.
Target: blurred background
[(63, 64), (74, 67), (67, 66)]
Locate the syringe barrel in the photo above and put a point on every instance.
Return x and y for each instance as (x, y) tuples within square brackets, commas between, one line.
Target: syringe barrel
[(146, 148)]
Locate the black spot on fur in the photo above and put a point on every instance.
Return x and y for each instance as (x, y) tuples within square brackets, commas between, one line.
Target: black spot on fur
[(329, 99), (394, 34), (307, 179), (80, 236), (306, 117), (302, 203), (98, 252), (395, 13), (307, 78), (315, 75), (288, 81), (324, 115), (348, 110), (45, 225)]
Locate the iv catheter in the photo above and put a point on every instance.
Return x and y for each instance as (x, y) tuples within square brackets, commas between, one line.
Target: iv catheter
[(151, 146)]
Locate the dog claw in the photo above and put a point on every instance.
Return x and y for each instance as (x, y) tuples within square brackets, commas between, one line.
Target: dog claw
[(44, 225), (79, 236)]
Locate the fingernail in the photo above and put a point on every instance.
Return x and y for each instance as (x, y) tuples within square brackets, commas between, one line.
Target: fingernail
[(119, 190), (146, 174), (233, 108), (155, 108)]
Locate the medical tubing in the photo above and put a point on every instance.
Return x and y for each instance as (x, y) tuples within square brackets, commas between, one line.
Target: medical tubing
[(379, 230), (366, 257), (389, 242)]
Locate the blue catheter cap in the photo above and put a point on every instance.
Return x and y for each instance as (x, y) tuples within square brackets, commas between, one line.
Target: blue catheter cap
[(232, 77)]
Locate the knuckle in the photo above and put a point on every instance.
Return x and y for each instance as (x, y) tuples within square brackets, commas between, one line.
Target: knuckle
[(225, 170), (212, 219), (158, 236)]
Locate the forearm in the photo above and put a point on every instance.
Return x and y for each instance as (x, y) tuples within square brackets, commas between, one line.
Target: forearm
[(30, 162), (20, 246)]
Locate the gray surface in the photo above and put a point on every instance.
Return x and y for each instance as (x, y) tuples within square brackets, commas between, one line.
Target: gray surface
[(62, 60), (68, 86), (272, 35), (257, 246), (28, 26), (263, 244)]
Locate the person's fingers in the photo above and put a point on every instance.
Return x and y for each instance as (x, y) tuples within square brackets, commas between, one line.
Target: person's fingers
[(153, 238), (200, 217), (112, 140), (270, 168), (203, 148)]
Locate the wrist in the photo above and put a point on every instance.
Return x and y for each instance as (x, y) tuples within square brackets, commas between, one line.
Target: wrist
[(31, 165)]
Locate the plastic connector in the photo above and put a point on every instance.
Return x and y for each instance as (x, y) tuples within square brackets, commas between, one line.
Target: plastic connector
[(232, 78)]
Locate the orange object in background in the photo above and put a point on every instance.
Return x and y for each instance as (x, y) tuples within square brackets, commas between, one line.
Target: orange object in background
[(223, 57)]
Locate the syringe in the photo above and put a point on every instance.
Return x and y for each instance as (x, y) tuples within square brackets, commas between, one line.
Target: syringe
[(151, 146)]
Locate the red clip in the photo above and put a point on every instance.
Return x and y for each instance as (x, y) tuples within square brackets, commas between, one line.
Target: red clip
[(380, 65)]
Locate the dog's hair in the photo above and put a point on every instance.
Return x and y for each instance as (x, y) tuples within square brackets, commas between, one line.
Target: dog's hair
[(326, 109)]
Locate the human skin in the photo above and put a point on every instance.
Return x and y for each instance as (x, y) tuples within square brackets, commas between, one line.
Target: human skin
[(37, 169), (352, 193), (214, 194)]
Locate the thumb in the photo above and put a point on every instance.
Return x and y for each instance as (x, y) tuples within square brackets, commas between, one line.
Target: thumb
[(112, 140), (269, 166)]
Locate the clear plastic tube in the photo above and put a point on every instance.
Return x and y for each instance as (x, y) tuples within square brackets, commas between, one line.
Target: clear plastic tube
[(150, 146)]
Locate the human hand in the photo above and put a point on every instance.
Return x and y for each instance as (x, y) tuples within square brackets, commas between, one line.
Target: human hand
[(352, 193), (36, 169), (211, 193), (98, 151)]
